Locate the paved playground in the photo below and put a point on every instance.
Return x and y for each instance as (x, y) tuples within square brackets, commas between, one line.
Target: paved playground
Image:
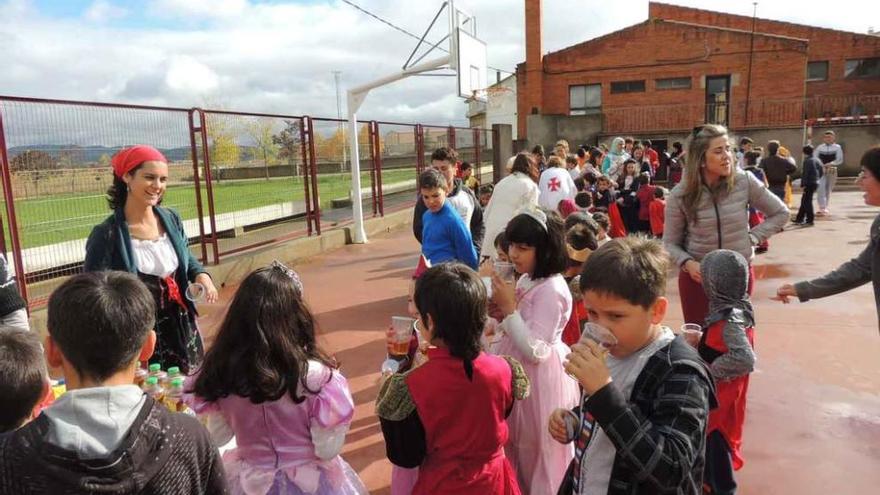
[(813, 423)]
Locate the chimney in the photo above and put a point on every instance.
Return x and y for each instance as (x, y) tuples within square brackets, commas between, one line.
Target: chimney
[(534, 58)]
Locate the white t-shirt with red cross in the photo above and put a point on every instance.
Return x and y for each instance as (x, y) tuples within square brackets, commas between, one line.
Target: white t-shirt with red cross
[(554, 186)]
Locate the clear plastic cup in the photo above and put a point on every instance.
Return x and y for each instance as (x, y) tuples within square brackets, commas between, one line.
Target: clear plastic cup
[(195, 292), (403, 328), (390, 366), (692, 333), (505, 271), (599, 334)]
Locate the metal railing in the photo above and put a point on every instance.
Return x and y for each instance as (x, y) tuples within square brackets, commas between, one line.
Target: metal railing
[(239, 180)]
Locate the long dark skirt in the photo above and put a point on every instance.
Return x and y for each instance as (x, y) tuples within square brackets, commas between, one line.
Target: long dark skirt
[(178, 342)]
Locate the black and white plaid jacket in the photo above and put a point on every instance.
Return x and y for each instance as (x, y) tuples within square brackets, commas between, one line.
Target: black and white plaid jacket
[(660, 432)]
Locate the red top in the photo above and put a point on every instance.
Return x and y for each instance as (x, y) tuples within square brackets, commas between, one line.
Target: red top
[(730, 415), (572, 332), (645, 195), (654, 158), (657, 215), (465, 425)]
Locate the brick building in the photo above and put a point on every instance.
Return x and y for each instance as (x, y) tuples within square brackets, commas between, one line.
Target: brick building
[(683, 66)]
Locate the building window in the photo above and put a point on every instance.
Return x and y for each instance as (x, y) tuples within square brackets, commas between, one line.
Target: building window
[(628, 87), (674, 83), (862, 68), (817, 71), (584, 99)]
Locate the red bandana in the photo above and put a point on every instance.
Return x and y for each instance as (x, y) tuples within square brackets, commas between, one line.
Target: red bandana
[(130, 158)]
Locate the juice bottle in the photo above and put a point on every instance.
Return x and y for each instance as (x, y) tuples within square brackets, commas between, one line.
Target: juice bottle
[(161, 376), (173, 372), (141, 374), (174, 397), (154, 390)]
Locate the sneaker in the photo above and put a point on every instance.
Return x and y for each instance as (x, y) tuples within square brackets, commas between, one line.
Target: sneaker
[(820, 213)]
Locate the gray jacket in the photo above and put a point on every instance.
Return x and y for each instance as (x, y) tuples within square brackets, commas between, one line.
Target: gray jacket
[(722, 223), (858, 271)]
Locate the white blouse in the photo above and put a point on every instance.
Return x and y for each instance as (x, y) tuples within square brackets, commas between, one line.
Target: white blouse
[(155, 257)]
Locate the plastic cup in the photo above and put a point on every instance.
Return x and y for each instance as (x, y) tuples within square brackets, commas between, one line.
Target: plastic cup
[(692, 333), (505, 271), (403, 328), (195, 292), (487, 281), (390, 366), (599, 335)]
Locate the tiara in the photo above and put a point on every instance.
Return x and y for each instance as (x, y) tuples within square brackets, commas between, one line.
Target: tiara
[(277, 265), (536, 215)]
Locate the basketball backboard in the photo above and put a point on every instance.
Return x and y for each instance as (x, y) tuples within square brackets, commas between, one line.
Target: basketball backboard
[(469, 56)]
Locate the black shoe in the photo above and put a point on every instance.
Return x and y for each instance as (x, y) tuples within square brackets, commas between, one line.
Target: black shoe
[(760, 250)]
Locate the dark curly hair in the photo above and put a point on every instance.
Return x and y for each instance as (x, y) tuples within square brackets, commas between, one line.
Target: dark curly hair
[(264, 344), (455, 299)]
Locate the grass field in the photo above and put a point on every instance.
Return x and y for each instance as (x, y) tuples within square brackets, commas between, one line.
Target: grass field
[(59, 218)]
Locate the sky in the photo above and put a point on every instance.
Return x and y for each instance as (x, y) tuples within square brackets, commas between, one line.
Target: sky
[(279, 56)]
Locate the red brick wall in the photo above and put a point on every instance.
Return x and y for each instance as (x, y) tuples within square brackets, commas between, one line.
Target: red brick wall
[(656, 49), (825, 44)]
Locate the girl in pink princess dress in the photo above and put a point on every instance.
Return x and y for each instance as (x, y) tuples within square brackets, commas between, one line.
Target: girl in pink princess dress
[(533, 315), (266, 382)]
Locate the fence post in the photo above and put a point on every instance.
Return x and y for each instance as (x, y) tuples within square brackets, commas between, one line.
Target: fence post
[(313, 171), (450, 137), (209, 186), (9, 199), (305, 173), (197, 181), (378, 167), (371, 137), (476, 132)]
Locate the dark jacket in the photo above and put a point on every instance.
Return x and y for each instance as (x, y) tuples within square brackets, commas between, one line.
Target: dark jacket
[(10, 298), (778, 169), (163, 453), (659, 432), (854, 273), (109, 248), (476, 227), (812, 172)]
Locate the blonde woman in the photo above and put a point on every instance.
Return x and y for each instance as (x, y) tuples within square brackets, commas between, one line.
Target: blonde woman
[(708, 210)]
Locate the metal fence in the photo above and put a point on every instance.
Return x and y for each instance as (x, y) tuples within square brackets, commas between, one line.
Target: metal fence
[(239, 180)]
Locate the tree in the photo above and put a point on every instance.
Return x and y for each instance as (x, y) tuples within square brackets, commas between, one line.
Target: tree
[(32, 160), (222, 148), (104, 160), (260, 131), (289, 142)]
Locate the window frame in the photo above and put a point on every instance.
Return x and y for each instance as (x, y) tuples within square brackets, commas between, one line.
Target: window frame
[(815, 79), (858, 61), (585, 110), (628, 88), (690, 83)]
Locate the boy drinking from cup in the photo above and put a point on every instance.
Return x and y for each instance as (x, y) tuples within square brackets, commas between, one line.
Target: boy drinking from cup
[(641, 422)]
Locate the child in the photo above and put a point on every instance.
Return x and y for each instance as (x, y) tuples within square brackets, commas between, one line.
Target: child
[(580, 242), (605, 194), (812, 172), (486, 194), (533, 316), (104, 434), (444, 235), (641, 425), (448, 415), (467, 176), (23, 377), (657, 212), (645, 196), (566, 207), (752, 159), (573, 164), (583, 200), (727, 346), (266, 382), (604, 224), (627, 201), (555, 184)]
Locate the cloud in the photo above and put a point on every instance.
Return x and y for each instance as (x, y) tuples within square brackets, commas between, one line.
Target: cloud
[(279, 57), (103, 11)]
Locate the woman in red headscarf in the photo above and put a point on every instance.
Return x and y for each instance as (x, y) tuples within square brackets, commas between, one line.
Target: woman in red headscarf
[(144, 238)]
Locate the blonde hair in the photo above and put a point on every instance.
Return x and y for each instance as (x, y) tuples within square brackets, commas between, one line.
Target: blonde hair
[(696, 159), (555, 161)]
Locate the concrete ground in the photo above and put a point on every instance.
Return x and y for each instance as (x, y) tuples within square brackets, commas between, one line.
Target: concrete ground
[(813, 422)]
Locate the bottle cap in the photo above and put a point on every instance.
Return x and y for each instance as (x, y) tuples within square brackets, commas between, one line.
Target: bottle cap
[(177, 382), (174, 370), (155, 367), (152, 381)]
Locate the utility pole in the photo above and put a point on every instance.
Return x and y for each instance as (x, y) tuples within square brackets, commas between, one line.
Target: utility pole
[(336, 75), (751, 55)]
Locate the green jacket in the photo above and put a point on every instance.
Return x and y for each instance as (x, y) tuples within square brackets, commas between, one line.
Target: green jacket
[(109, 248)]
